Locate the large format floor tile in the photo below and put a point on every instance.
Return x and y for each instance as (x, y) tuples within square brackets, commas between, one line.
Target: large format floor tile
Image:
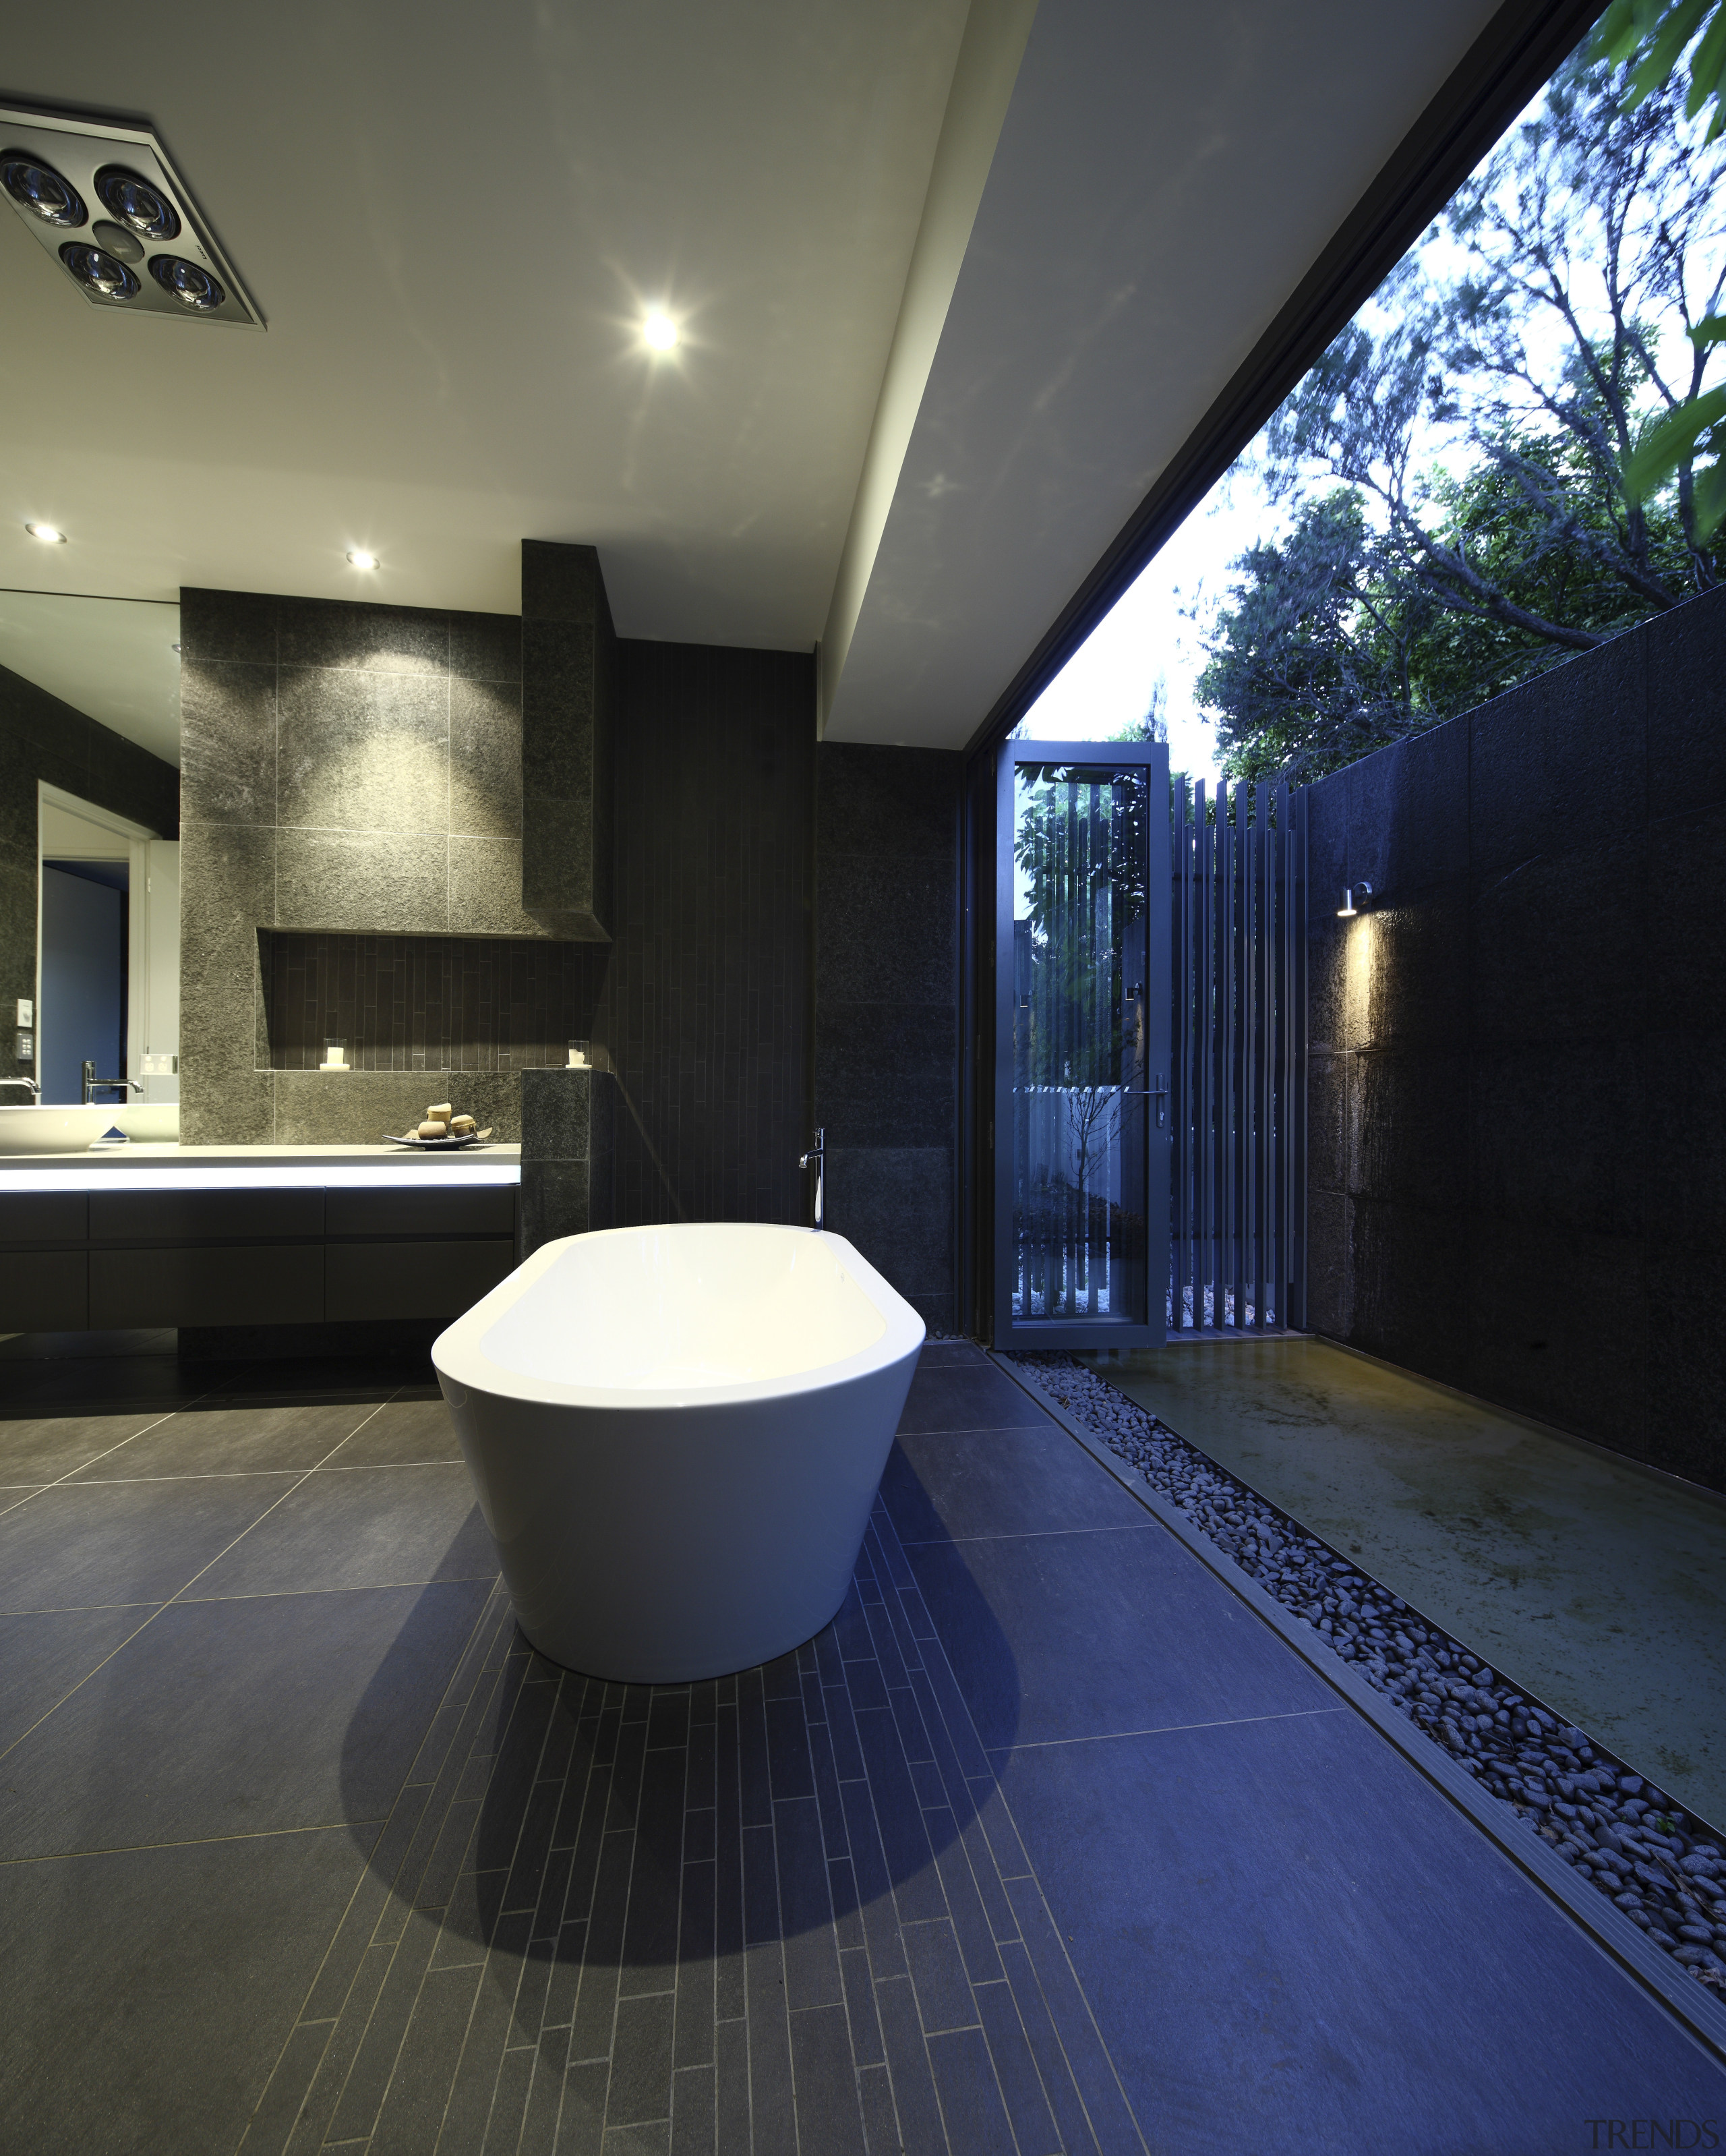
[(1055, 1636), (240, 1717), (145, 1995), (1292, 1942), (43, 1655), (402, 1434), (38, 1450), (79, 1544), (381, 1527), (967, 1395), (219, 1439), (950, 1485)]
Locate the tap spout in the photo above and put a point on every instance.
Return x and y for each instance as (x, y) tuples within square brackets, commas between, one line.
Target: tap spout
[(818, 1153)]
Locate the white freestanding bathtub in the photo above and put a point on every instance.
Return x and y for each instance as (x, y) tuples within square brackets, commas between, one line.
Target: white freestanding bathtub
[(676, 1434)]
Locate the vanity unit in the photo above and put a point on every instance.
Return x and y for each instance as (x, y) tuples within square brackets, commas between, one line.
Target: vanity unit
[(246, 1235)]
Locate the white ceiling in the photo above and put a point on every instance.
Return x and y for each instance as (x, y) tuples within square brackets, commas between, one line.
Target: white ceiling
[(452, 218)]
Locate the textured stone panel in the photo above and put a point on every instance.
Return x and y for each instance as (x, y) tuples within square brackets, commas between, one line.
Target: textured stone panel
[(363, 751), (1559, 944), (884, 1073), (227, 745), (485, 647), (1551, 1127), (1687, 702), (485, 759), (383, 639), (895, 1204), (485, 890), (888, 931), (237, 627), (361, 881), (876, 802), (1407, 1126), (1409, 1279)]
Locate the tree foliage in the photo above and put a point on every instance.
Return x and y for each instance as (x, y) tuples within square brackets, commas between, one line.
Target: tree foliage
[(1412, 585)]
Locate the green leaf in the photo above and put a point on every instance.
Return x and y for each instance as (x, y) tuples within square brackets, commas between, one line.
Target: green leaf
[(1669, 442), (1676, 28), (1710, 500), (1710, 331)]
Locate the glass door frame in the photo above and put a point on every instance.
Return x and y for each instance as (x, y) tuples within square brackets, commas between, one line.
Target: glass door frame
[(1007, 1330)]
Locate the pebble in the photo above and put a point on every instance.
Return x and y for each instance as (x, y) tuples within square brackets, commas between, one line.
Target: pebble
[(1611, 1823)]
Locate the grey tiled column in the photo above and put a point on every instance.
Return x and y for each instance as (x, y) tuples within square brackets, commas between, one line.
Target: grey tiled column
[(568, 695), (568, 1122)]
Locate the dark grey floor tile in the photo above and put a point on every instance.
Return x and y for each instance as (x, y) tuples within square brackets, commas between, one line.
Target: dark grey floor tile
[(829, 2114), (639, 2140), (1076, 2068), (42, 1657), (939, 1353), (1058, 1636), (424, 2072), (400, 1433), (369, 2077), (1034, 2128), (874, 2090), (79, 1545), (731, 2119), (772, 2111), (641, 2061), (278, 2114), (968, 1396), (914, 2096), (944, 1487), (246, 1717), (508, 2105), (212, 1439), (379, 1527), (1387, 1978), (580, 2112), (146, 1996), (42, 1449), (693, 2122), (971, 2104), (944, 1993)]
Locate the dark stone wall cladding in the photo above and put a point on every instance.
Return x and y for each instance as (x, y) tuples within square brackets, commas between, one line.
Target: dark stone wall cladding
[(1517, 1076), (887, 1010), (41, 738), (346, 769), (705, 1015)]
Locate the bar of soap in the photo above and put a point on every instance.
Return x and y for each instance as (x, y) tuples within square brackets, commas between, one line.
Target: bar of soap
[(429, 1129), (461, 1125), (439, 1114)]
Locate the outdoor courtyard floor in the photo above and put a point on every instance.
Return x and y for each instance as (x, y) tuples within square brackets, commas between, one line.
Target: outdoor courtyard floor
[(1591, 1583), (1050, 1841)]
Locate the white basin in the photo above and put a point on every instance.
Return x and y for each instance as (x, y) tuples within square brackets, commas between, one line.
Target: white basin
[(45, 1129)]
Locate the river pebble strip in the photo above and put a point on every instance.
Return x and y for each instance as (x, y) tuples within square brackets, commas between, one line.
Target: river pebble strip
[(1663, 1866)]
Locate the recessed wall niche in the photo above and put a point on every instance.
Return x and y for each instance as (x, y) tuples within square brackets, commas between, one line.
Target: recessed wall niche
[(424, 1003)]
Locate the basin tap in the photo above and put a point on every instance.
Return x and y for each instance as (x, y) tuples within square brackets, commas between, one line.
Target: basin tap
[(35, 1088), (817, 1152), (92, 1084)]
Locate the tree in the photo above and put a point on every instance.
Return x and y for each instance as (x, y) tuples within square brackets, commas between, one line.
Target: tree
[(1470, 434)]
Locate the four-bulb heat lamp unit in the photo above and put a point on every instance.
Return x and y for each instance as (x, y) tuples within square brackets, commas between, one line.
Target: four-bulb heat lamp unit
[(107, 205)]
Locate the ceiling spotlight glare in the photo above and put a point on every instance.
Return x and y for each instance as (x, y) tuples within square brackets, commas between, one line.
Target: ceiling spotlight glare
[(50, 535), (361, 559), (139, 203), (184, 281), (660, 332), (100, 271), (40, 189)]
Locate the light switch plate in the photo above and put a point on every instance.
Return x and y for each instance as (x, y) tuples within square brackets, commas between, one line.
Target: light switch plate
[(26, 1011)]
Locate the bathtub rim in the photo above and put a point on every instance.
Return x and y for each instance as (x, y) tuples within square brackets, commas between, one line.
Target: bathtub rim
[(459, 1359)]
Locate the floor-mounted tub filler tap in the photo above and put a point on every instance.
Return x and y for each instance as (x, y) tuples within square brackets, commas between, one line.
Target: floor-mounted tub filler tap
[(818, 1153), (34, 1089)]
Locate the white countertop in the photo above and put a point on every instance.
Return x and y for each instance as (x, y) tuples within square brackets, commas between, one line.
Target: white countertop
[(256, 1167)]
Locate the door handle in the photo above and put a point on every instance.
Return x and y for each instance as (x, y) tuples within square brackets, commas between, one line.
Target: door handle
[(1159, 1093)]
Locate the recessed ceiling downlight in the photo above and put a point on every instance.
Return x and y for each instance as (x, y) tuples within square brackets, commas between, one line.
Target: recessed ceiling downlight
[(116, 240), (50, 535), (361, 559), (184, 281), (99, 271), (660, 332), (138, 203), (40, 189)]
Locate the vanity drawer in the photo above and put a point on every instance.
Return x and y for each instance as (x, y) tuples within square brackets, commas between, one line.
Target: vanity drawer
[(279, 1284), (412, 1279), (173, 1216), (42, 1216), (44, 1291), (442, 1210)]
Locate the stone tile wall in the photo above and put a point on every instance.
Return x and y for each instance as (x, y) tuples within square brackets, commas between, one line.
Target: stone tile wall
[(41, 738), (887, 1010), (1517, 1078), (345, 768)]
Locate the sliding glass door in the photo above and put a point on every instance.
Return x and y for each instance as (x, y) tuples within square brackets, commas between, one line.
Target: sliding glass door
[(1081, 1126)]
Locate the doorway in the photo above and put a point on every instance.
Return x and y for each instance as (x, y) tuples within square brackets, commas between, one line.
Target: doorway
[(1082, 1122), (83, 980)]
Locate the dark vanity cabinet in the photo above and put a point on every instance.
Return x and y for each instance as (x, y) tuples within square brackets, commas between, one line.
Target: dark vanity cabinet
[(128, 1256)]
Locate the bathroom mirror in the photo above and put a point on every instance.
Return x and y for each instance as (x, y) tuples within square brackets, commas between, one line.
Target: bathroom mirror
[(90, 886)]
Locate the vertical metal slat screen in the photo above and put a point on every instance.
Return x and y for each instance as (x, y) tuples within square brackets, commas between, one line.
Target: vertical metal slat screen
[(1237, 911)]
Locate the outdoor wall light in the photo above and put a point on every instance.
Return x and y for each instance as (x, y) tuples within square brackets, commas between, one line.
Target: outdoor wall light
[(1355, 899)]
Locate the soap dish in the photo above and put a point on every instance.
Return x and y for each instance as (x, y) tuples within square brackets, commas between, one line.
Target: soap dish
[(439, 1145)]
